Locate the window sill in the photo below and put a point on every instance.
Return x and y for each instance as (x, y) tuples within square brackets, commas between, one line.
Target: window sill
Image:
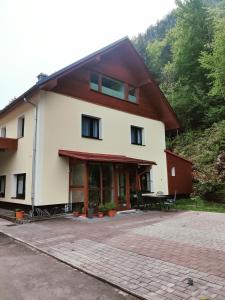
[(92, 138), (138, 144), (18, 198), (124, 100)]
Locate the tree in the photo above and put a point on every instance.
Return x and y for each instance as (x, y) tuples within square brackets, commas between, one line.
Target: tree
[(214, 62)]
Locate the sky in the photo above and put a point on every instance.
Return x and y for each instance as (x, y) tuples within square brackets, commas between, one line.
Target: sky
[(46, 35)]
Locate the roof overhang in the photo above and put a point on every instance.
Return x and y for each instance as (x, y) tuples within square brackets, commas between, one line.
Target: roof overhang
[(109, 158), (168, 152), (7, 144)]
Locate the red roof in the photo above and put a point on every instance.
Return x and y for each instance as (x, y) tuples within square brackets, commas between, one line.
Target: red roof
[(103, 157), (178, 156)]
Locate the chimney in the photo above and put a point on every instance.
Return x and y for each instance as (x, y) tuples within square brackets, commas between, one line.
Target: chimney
[(41, 77)]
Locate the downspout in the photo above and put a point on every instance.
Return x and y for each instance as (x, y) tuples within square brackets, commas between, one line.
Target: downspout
[(34, 155)]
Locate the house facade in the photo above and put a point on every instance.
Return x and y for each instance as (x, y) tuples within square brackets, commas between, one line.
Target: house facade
[(89, 134)]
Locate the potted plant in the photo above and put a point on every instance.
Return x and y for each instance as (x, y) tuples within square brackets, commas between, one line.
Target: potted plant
[(76, 213), (101, 210), (110, 207), (19, 214)]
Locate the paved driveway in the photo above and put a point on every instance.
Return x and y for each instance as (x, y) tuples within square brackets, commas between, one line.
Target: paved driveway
[(153, 255)]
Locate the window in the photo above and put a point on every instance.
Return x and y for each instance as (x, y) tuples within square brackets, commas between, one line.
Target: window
[(2, 186), (132, 94), (3, 132), (136, 135), (20, 128), (113, 87), (90, 127), (94, 81), (173, 171), (20, 186)]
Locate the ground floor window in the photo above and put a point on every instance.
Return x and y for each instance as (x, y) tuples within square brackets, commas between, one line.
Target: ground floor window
[(20, 186), (2, 186)]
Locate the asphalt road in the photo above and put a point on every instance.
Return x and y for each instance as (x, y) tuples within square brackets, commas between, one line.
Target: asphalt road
[(27, 274)]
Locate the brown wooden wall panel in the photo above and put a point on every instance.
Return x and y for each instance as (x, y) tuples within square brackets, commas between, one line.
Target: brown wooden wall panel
[(79, 88), (8, 144), (182, 181)]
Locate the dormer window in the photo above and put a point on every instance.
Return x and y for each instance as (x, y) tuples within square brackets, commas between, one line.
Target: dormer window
[(112, 87)]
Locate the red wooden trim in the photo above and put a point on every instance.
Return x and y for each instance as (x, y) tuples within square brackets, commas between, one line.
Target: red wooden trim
[(115, 176), (128, 189), (85, 187), (101, 185)]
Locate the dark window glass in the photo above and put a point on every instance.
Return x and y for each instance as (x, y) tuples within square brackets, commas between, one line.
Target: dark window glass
[(21, 123), (2, 186), (113, 87), (136, 135), (94, 81), (90, 127), (3, 132), (146, 183), (20, 186), (132, 95)]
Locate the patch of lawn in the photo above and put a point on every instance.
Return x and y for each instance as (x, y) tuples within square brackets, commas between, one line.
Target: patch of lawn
[(198, 204)]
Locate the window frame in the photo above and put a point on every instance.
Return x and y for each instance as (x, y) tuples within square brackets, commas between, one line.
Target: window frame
[(21, 127), (126, 88), (137, 128), (19, 195), (2, 177), (91, 119)]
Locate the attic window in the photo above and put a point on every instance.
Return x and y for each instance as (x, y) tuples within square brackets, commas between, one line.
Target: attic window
[(112, 87)]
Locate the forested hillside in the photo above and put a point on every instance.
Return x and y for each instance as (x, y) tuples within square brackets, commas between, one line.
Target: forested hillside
[(186, 54)]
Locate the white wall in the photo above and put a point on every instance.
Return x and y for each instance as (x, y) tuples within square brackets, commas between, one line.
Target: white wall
[(60, 128), (20, 161)]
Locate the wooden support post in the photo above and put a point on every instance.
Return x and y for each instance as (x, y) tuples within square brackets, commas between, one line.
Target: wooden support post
[(115, 183), (128, 189), (85, 187)]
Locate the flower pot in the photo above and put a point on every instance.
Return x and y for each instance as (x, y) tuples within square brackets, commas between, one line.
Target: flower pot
[(76, 213), (111, 213), (20, 215), (100, 214)]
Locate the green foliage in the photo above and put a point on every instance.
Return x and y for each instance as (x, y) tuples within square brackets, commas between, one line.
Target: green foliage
[(110, 206), (198, 204), (214, 61), (186, 54), (101, 208)]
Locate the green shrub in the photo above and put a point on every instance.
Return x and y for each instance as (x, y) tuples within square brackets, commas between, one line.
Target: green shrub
[(110, 206)]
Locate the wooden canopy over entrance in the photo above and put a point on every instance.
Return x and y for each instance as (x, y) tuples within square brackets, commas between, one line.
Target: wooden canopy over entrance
[(101, 178), (103, 157)]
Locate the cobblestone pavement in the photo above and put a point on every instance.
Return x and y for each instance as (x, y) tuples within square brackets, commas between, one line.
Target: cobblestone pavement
[(153, 255)]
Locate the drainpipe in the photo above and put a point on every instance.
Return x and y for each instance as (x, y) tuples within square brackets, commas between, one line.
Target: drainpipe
[(34, 154)]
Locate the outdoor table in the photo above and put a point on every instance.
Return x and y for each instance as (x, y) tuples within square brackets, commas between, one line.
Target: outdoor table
[(153, 200)]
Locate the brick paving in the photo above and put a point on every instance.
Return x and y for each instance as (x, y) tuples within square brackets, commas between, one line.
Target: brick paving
[(151, 255)]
